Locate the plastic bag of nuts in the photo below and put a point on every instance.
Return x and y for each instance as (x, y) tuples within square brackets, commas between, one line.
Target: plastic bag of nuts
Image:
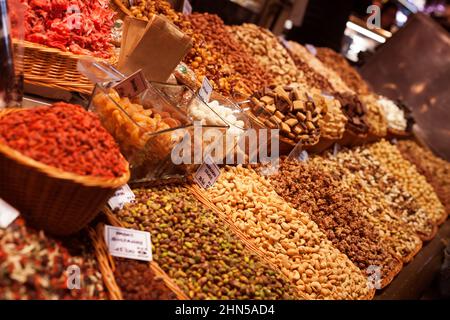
[(198, 251), (264, 46), (287, 236), (332, 204), (406, 173)]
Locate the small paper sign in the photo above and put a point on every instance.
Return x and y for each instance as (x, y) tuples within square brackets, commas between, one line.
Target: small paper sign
[(336, 149), (187, 7), (394, 141), (122, 196), (303, 157), (207, 174), (7, 214), (206, 90), (132, 85), (128, 243), (311, 49)]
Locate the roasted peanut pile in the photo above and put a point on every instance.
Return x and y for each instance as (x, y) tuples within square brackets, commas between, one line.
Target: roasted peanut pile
[(288, 237), (356, 113), (137, 281), (333, 206), (302, 54), (296, 111), (245, 73), (34, 266), (416, 184), (198, 251), (356, 172), (337, 62), (375, 116), (435, 169), (264, 46), (390, 192)]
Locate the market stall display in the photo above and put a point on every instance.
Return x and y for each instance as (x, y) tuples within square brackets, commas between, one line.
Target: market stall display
[(375, 117), (288, 237), (390, 157), (333, 205), (357, 127), (64, 150), (198, 251), (433, 168), (264, 46), (35, 266), (398, 116)]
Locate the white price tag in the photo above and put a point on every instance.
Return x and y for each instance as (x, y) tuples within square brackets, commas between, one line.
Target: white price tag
[(207, 174), (206, 90), (132, 86), (187, 7), (303, 156), (311, 49), (336, 149), (128, 243), (122, 196), (394, 141), (7, 214)]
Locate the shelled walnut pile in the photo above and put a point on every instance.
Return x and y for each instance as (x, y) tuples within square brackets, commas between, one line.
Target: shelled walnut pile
[(332, 204), (406, 173), (264, 46), (337, 62), (355, 171), (296, 111), (198, 251), (435, 169), (288, 237)]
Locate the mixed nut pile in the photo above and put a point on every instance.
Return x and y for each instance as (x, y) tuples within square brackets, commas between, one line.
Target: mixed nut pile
[(196, 249), (288, 237), (312, 188), (296, 111)]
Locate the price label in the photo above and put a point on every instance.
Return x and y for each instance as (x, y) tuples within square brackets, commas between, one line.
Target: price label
[(303, 157), (311, 49), (206, 90), (394, 141), (187, 7), (132, 85), (336, 149), (122, 196), (128, 243), (207, 174), (7, 214)]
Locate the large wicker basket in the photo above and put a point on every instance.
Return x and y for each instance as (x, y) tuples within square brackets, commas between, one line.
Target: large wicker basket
[(56, 201)]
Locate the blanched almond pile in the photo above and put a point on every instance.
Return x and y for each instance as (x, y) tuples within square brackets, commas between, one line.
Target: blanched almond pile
[(290, 239)]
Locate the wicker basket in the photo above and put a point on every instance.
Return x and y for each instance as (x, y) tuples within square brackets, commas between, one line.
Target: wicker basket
[(59, 202), (119, 7), (51, 67)]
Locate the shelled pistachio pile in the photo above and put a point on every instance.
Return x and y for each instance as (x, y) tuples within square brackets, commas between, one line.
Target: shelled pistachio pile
[(406, 173), (435, 169), (198, 251), (34, 266), (287, 236), (355, 171), (332, 204)]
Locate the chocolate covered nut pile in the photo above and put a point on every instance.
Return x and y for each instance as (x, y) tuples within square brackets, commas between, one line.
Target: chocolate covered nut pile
[(331, 204), (288, 237), (356, 113), (197, 250), (416, 184), (293, 110)]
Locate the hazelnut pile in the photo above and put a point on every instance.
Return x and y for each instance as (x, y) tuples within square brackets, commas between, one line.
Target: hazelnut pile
[(406, 173), (198, 251), (264, 46), (332, 204), (288, 237), (435, 169)]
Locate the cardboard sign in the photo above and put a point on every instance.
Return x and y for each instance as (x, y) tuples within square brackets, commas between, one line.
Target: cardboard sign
[(132, 86), (128, 243), (207, 174), (7, 214), (187, 7), (122, 196), (206, 90)]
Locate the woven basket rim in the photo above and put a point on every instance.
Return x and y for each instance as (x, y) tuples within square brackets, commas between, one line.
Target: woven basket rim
[(89, 181)]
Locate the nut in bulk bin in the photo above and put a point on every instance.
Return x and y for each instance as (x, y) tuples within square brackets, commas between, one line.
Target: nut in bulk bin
[(50, 198)]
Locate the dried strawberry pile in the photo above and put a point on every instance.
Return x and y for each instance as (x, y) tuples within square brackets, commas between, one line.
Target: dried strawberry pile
[(66, 137), (80, 26)]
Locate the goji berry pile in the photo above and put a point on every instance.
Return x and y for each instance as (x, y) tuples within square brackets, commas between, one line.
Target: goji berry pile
[(66, 137)]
